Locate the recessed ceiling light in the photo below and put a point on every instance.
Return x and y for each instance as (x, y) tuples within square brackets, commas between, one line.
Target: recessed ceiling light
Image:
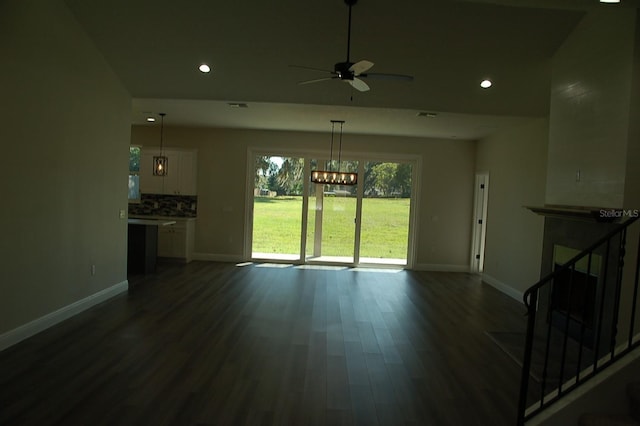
[(151, 119), (204, 68), (427, 114), (485, 84)]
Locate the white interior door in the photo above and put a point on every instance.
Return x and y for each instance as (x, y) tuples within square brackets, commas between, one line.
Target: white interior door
[(479, 224)]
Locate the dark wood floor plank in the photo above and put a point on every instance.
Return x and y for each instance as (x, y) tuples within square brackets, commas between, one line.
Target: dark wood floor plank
[(219, 344)]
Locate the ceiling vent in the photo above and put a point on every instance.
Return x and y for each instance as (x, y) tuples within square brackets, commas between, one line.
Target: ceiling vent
[(238, 105), (427, 114)]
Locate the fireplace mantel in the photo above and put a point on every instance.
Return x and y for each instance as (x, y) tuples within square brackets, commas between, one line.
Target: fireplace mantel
[(591, 214)]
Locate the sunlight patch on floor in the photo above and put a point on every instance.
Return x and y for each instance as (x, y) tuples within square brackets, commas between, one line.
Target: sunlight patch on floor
[(323, 267), (274, 265)]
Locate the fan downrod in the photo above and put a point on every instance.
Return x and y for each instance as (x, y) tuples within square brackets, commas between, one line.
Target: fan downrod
[(350, 2)]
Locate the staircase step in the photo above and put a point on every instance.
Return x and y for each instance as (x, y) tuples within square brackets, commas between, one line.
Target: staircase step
[(606, 420)]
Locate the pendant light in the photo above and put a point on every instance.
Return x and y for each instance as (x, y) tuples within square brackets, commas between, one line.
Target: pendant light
[(161, 162), (334, 177)]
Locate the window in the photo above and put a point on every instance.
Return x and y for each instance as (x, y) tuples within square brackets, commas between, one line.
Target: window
[(134, 174)]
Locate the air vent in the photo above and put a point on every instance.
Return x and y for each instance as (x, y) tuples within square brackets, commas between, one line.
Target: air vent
[(427, 114), (238, 105)]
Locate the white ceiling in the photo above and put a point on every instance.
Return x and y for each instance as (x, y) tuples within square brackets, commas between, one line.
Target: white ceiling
[(447, 45)]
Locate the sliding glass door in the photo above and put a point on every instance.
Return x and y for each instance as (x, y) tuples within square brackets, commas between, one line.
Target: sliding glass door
[(386, 209), (331, 219), (296, 220), (277, 207)]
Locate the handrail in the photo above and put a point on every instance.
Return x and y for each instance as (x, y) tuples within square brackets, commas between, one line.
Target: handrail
[(566, 345), (577, 258)]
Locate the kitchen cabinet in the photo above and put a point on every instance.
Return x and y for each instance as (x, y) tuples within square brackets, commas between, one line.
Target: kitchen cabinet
[(176, 241), (181, 172)]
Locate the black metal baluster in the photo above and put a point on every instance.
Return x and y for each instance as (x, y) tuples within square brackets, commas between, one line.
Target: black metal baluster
[(545, 368), (585, 307), (596, 352), (616, 307), (526, 361), (563, 355)]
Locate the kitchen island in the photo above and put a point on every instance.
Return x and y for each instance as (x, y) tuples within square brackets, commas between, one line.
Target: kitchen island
[(142, 244)]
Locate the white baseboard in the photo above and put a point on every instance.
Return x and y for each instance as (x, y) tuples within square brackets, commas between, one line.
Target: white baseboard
[(29, 329), (504, 288), (440, 267), (211, 257)]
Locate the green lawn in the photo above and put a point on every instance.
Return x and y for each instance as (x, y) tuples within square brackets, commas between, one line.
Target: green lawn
[(385, 224)]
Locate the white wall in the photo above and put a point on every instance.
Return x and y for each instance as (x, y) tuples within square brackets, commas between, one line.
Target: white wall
[(632, 182), (446, 195), (589, 114), (516, 163), (65, 136)]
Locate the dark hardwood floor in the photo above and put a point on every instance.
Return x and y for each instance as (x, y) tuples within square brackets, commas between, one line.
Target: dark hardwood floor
[(219, 344)]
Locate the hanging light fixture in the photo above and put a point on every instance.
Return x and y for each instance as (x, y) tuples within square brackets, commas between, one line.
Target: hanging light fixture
[(161, 162), (334, 177)]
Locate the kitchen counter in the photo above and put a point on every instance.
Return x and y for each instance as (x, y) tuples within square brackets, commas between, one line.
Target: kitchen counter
[(142, 244), (173, 218)]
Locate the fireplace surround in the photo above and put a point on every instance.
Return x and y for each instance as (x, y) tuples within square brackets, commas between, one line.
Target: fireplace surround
[(576, 301)]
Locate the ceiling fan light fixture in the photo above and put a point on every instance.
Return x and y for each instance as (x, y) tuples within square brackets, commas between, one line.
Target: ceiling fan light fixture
[(610, 1), (349, 71), (151, 119), (486, 83), (204, 68)]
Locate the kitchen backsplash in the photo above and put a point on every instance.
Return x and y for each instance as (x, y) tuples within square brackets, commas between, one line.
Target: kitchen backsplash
[(165, 205)]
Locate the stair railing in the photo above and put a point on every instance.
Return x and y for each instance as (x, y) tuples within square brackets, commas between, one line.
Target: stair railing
[(561, 352)]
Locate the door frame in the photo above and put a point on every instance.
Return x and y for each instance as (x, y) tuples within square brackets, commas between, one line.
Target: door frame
[(416, 169)]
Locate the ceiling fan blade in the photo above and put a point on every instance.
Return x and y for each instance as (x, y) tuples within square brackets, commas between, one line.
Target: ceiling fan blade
[(360, 67), (358, 84), (383, 76), (311, 68), (316, 80)]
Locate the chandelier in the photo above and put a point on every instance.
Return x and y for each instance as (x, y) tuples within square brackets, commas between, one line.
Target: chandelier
[(334, 177)]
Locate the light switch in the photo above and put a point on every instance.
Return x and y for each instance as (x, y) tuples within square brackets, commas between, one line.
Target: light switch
[(123, 214)]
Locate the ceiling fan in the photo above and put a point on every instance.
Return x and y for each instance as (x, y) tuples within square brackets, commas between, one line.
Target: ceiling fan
[(351, 72)]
